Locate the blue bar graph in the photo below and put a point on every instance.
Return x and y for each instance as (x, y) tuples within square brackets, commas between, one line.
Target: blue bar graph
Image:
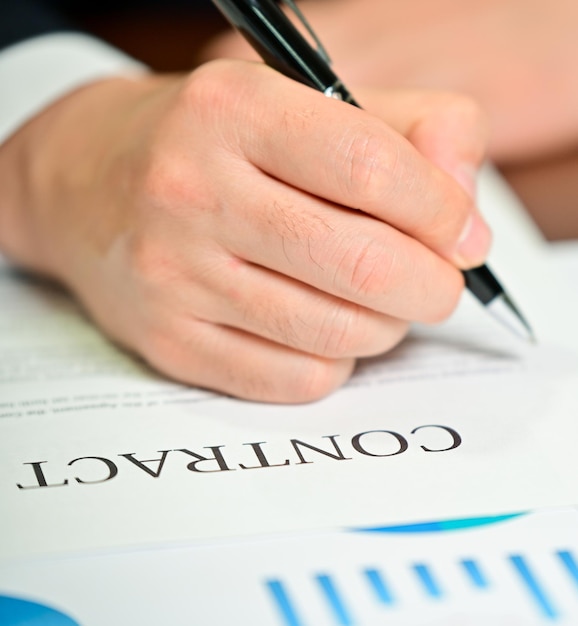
[(341, 603)]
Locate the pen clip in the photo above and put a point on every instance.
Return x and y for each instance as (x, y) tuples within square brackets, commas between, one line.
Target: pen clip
[(299, 15)]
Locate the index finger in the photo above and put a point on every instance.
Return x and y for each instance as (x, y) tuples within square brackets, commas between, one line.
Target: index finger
[(345, 155)]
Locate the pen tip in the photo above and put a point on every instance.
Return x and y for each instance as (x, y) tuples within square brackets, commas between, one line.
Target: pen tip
[(505, 311)]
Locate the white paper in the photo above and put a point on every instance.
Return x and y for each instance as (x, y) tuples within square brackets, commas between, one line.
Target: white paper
[(521, 571), (98, 452)]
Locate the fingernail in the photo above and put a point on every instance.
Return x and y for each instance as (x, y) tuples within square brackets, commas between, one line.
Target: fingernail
[(474, 242), (466, 175)]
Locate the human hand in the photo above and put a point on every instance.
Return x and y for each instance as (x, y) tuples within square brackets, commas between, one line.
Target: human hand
[(515, 57), (242, 232)]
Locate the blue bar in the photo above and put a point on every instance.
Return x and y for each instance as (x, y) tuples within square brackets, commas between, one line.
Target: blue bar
[(428, 581), (340, 612), (570, 564), (284, 603), (377, 583), (475, 573), (440, 525), (534, 587)]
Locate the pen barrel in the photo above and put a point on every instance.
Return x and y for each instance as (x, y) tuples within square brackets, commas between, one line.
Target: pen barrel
[(482, 283), (281, 45)]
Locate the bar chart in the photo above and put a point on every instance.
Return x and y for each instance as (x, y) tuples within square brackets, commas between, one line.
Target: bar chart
[(460, 574), (519, 569)]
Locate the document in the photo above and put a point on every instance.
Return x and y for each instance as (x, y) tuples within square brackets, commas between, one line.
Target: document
[(97, 452), (518, 570)]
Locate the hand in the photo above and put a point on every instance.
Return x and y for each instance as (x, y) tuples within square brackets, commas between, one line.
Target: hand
[(242, 232), (515, 57)]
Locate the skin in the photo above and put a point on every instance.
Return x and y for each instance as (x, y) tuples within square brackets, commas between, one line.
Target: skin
[(242, 232), (516, 58)]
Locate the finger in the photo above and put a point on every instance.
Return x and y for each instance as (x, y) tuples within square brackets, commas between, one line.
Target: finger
[(350, 157), (290, 313), (449, 129), (338, 251), (240, 364)]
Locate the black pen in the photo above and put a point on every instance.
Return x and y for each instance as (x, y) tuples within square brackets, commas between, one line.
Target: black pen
[(282, 46)]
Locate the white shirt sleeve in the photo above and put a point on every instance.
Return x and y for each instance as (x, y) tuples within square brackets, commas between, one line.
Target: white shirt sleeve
[(36, 72)]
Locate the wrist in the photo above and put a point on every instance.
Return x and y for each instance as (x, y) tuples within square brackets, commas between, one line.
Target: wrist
[(52, 171)]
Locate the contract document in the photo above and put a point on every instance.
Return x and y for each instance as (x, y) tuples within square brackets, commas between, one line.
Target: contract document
[(97, 452)]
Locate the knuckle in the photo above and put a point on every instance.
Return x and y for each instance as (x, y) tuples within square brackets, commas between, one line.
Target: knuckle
[(365, 269), (204, 86), (255, 385), (155, 183), (149, 263), (364, 159), (342, 332), (222, 91), (175, 349), (359, 332), (317, 378), (311, 378), (173, 187)]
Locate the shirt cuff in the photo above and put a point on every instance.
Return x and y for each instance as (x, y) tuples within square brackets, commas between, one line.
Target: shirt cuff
[(37, 72)]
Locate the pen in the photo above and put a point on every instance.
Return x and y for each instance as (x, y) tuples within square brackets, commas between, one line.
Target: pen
[(282, 46)]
